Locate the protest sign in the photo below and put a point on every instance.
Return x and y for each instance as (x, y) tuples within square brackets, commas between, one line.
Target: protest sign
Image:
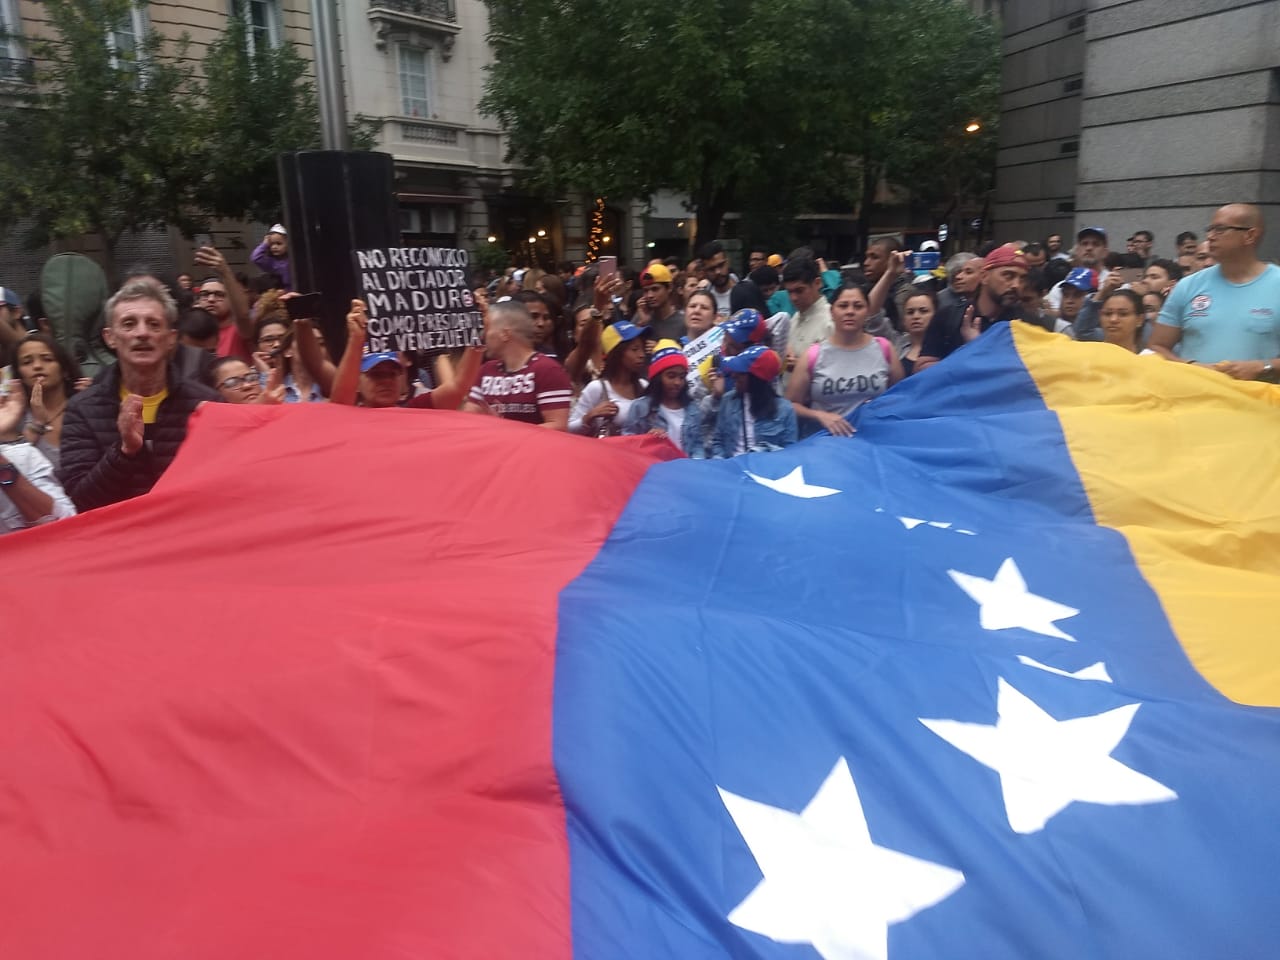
[(418, 299), (702, 347)]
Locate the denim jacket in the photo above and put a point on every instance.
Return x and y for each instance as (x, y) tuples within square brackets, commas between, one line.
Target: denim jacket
[(644, 416), (777, 432)]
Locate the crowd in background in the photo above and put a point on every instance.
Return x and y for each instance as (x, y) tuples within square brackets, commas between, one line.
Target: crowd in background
[(720, 358)]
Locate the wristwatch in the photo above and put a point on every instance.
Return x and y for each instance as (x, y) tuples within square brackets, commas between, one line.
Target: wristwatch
[(1268, 371), (8, 475)]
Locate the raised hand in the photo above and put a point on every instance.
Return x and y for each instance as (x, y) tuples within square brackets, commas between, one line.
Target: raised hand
[(970, 328), (213, 259), (13, 403), (357, 320), (130, 425), (600, 296), (274, 391), (38, 411)]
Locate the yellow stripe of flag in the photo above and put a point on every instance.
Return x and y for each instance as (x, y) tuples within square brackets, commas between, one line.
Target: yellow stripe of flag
[(1185, 463)]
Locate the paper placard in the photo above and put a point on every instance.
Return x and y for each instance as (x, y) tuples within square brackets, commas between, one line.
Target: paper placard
[(418, 298)]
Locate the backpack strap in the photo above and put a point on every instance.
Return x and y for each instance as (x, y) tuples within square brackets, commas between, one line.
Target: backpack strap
[(887, 349), (811, 357)]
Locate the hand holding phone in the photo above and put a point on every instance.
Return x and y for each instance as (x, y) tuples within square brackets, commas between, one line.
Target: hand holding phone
[(304, 306), (608, 267)]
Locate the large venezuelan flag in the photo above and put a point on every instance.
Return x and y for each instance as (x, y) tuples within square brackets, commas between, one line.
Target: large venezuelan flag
[(997, 678)]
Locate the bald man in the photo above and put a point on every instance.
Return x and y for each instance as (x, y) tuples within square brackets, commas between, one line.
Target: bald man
[(1227, 315)]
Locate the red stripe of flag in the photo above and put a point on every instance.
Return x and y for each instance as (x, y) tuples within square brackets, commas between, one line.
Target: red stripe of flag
[(297, 701)]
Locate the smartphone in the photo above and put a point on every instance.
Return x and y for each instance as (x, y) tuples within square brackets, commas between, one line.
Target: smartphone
[(608, 267), (924, 261), (202, 240), (1130, 275), (304, 307)]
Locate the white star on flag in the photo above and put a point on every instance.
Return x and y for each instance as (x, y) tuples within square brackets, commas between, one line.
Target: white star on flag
[(912, 522), (1005, 602), (825, 883), (1095, 671), (793, 485), (1047, 764)]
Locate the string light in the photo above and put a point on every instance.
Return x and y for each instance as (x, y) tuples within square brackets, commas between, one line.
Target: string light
[(596, 237)]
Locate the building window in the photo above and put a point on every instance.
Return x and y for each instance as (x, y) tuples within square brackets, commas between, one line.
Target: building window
[(414, 82), (434, 224), (263, 22), (125, 41)]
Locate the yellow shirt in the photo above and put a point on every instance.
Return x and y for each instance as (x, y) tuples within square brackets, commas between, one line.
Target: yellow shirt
[(150, 405)]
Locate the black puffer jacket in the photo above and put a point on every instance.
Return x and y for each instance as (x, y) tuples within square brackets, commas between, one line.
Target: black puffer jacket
[(94, 471)]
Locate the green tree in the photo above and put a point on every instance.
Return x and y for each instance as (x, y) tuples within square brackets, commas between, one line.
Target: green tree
[(764, 106), (122, 133), (256, 104), (103, 141), (936, 70)]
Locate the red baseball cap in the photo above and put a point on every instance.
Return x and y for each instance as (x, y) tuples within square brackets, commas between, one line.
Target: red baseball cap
[(1007, 255)]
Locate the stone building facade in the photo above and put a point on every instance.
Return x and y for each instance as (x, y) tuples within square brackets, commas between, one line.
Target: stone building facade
[(1137, 114)]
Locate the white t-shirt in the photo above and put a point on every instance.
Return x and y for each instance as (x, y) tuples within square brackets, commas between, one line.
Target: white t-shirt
[(593, 394), (675, 422), (722, 300), (35, 466)]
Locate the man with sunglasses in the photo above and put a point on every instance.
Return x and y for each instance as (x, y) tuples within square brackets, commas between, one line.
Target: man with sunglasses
[(1227, 315)]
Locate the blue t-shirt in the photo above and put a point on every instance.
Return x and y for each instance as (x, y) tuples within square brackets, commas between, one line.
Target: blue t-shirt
[(1221, 320)]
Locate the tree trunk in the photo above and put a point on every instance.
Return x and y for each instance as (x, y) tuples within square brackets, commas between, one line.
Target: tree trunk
[(870, 180), (109, 241), (710, 214), (711, 203)]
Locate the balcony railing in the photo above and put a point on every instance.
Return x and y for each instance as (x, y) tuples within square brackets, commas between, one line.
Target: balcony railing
[(431, 133), (430, 9), (17, 70)]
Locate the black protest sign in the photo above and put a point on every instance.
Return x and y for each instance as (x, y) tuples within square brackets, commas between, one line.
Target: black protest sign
[(417, 299)]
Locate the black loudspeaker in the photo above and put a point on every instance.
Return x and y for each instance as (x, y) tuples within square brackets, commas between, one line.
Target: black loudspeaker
[(336, 202)]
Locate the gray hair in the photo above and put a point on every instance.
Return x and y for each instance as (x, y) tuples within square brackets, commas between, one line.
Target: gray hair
[(512, 315), (144, 288), (958, 261)]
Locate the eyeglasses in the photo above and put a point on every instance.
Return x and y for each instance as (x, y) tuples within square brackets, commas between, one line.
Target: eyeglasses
[(1216, 228), (272, 340), (235, 383), (212, 295)]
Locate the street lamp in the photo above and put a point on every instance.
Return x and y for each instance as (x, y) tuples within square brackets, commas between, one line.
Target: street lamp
[(542, 233), (973, 126)]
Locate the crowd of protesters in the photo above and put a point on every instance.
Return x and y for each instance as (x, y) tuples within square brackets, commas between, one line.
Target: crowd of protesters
[(719, 362)]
